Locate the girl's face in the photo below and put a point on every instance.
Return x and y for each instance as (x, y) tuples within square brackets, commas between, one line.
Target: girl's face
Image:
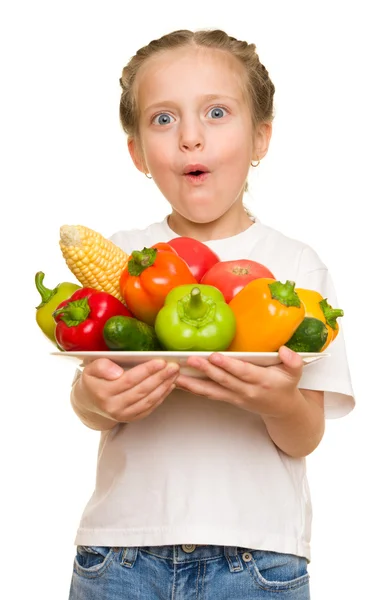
[(196, 133)]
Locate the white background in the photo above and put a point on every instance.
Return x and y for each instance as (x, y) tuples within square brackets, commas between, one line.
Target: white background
[(64, 160)]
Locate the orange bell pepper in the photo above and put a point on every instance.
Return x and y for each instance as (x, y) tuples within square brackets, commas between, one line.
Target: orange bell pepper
[(150, 274), (267, 313), (316, 306)]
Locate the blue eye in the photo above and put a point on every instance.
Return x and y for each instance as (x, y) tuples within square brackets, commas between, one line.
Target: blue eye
[(162, 119), (217, 112)]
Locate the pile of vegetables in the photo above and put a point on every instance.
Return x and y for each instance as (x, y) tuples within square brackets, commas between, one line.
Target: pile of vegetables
[(176, 296)]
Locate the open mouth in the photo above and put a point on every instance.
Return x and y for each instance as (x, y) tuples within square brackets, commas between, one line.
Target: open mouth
[(196, 176), (196, 172)]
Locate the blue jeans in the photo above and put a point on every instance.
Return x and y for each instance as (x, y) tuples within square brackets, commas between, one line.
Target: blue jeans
[(187, 572)]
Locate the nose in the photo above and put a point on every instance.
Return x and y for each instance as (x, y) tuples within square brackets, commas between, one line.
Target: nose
[(191, 135)]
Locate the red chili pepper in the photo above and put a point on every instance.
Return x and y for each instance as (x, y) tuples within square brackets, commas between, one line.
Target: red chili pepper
[(81, 319)]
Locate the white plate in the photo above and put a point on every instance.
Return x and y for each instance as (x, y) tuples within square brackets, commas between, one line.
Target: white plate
[(130, 359)]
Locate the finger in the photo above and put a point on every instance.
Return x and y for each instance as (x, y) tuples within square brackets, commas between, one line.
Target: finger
[(129, 378), (135, 387), (125, 404), (145, 381), (149, 403), (229, 372), (103, 368), (291, 361), (140, 373), (206, 388), (126, 380), (216, 374), (241, 369)]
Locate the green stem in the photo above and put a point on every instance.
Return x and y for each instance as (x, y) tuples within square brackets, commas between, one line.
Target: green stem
[(74, 312), (141, 260), (45, 293), (196, 307), (330, 314), (285, 293)]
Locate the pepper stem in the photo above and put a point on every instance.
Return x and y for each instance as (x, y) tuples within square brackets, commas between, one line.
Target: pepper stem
[(141, 260), (330, 314), (73, 313), (45, 293), (196, 308), (285, 293)]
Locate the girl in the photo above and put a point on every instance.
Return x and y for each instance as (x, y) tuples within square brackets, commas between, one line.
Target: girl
[(201, 488)]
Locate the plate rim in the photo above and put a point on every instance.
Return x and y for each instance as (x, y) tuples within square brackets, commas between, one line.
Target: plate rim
[(178, 353)]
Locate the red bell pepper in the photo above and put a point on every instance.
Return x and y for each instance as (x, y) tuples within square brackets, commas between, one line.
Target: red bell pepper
[(81, 319), (196, 254), (149, 276)]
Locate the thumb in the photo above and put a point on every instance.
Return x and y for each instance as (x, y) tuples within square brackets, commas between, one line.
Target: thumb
[(292, 362)]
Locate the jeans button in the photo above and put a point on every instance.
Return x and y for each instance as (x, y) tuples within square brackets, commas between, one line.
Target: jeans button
[(247, 556), (188, 548)]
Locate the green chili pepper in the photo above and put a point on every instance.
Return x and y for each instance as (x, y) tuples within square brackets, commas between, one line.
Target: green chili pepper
[(195, 317), (50, 299)]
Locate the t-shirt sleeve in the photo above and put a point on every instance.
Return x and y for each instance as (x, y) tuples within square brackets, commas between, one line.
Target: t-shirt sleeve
[(331, 373)]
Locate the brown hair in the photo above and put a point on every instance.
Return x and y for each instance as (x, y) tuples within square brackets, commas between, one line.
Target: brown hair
[(259, 86)]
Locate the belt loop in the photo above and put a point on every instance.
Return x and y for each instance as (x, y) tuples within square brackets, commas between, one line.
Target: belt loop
[(231, 553), (129, 556)]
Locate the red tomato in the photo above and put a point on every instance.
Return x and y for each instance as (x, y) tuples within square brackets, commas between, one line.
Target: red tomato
[(231, 276), (196, 254)]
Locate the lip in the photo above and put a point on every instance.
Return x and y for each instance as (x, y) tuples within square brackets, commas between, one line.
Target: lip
[(195, 167)]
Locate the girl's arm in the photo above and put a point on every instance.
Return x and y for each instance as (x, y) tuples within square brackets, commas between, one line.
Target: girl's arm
[(299, 431)]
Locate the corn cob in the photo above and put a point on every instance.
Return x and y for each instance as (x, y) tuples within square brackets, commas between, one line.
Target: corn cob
[(95, 261)]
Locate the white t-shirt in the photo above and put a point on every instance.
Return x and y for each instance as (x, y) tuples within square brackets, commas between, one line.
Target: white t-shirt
[(198, 471)]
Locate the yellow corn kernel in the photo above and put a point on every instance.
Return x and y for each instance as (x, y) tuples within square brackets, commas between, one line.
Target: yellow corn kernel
[(95, 261)]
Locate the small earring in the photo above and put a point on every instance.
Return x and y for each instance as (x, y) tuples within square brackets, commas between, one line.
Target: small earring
[(256, 165), (148, 176)]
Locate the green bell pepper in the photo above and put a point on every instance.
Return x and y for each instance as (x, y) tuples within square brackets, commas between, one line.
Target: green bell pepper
[(50, 299), (195, 318)]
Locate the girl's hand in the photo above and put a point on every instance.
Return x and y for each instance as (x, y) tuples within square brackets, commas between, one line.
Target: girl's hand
[(294, 418), (264, 390), (106, 394)]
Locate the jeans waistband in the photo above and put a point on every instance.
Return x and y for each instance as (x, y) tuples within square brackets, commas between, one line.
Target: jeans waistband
[(188, 553)]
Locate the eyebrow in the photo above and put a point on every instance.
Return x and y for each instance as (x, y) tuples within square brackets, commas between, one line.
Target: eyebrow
[(205, 98)]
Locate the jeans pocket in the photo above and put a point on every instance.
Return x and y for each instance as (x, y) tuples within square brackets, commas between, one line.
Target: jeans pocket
[(92, 561), (277, 571)]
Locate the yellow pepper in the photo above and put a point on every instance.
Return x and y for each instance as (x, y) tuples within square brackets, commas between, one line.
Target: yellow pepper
[(267, 313), (50, 299), (317, 307)]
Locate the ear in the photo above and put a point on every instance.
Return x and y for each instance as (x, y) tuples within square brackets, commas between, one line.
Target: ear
[(262, 138), (136, 155)]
